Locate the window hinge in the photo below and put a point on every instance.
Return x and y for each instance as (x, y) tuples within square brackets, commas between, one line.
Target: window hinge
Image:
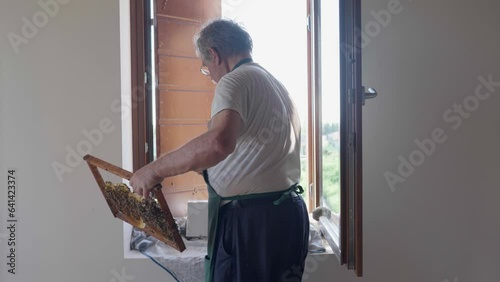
[(350, 96), (308, 22), (145, 77), (352, 140), (311, 187), (146, 147)]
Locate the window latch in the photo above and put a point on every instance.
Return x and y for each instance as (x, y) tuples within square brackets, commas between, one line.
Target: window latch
[(370, 94)]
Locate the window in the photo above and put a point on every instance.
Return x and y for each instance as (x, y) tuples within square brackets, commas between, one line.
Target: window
[(325, 83), (335, 73), (337, 97)]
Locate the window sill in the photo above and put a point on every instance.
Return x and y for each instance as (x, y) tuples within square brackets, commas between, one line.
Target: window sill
[(330, 228), (195, 248), (134, 254), (189, 265), (127, 252)]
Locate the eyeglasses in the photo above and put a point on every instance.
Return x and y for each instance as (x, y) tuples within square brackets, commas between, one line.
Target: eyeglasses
[(204, 70)]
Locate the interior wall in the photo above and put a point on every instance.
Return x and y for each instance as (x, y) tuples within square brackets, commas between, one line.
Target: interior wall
[(440, 224), (63, 81)]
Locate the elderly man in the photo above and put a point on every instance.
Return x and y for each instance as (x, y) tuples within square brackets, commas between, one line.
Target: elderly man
[(258, 225)]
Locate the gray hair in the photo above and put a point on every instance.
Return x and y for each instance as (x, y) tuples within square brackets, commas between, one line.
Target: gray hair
[(227, 37)]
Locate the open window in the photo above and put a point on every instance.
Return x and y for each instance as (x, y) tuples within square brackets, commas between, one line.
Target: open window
[(337, 97), (172, 99)]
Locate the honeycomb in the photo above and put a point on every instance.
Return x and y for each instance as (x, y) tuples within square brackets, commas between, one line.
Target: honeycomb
[(145, 211)]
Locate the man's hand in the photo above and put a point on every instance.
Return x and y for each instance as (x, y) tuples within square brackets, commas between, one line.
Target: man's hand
[(144, 179)]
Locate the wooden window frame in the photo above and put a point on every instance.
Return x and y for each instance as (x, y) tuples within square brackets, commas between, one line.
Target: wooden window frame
[(143, 137), (138, 85), (347, 243)]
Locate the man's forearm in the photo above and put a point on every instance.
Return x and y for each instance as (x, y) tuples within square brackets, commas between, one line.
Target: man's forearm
[(198, 154)]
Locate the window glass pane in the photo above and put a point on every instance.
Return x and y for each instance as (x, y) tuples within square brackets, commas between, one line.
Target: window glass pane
[(330, 103), (280, 46)]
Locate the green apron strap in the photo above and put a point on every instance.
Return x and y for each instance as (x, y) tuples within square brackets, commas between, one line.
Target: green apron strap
[(214, 201), (295, 188)]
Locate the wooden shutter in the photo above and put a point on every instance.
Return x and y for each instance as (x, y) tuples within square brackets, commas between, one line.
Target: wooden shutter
[(184, 94)]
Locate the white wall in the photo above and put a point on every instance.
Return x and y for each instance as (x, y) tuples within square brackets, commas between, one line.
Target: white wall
[(441, 223), (61, 82)]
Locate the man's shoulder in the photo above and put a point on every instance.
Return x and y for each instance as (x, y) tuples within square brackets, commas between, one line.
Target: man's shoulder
[(239, 77)]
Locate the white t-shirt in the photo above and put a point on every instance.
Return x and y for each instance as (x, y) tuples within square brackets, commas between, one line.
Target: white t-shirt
[(267, 153)]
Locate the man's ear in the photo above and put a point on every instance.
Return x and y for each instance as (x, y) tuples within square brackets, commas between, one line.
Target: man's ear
[(215, 55)]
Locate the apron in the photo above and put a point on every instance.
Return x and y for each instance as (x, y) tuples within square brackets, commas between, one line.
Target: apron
[(214, 201)]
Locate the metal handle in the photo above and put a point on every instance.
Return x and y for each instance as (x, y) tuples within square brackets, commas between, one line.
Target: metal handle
[(372, 93)]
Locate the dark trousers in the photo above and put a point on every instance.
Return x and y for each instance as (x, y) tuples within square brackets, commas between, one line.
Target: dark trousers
[(257, 241)]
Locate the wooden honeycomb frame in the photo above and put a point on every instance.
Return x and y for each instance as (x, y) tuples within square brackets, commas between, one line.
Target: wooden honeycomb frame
[(176, 240)]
